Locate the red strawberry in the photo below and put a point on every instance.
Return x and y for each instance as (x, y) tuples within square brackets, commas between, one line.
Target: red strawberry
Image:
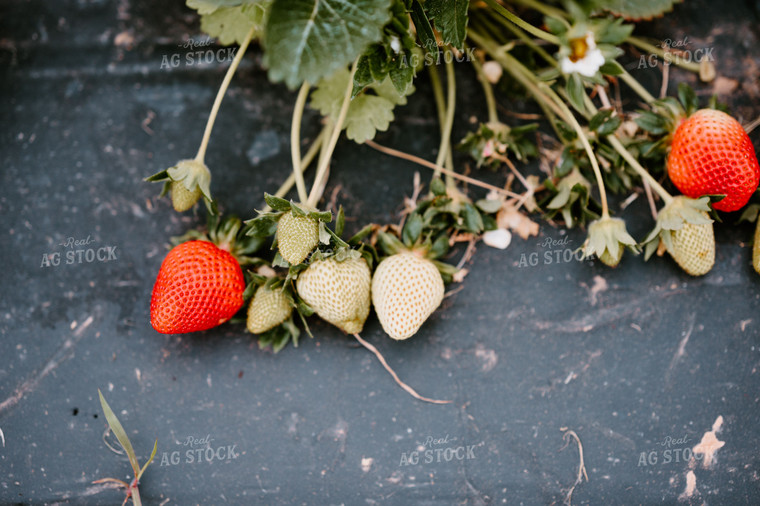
[(199, 286), (712, 154)]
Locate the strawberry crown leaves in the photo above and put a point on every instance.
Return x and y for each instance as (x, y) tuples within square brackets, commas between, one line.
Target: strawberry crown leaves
[(570, 197), (228, 234), (494, 140), (340, 250), (673, 217), (194, 176), (665, 114), (608, 235), (278, 337)]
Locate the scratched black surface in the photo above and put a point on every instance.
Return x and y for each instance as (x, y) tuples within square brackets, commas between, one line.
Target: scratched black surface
[(522, 351)]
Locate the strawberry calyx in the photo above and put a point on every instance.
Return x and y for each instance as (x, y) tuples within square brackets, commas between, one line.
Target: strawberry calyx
[(228, 235), (607, 239), (570, 197), (673, 217), (186, 182), (266, 284), (304, 221)]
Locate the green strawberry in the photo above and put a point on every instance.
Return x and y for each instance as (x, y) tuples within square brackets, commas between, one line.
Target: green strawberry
[(693, 247), (338, 291), (182, 198), (268, 309), (297, 236), (186, 182)]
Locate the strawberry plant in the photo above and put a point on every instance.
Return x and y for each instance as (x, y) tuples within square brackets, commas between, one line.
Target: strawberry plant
[(115, 426), (355, 64)]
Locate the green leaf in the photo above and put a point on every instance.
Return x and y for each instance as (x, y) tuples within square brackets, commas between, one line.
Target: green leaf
[(356, 239), (412, 229), (367, 113), (209, 6), (440, 247), (472, 220), (489, 206), (340, 222), (119, 432), (450, 18), (575, 92), (276, 203), (152, 456), (308, 40), (422, 24), (636, 9), (652, 123), (688, 98), (261, 226), (611, 68), (438, 187), (231, 25), (604, 123)]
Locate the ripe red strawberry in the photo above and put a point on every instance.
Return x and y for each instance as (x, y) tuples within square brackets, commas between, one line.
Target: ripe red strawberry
[(712, 154), (199, 286)]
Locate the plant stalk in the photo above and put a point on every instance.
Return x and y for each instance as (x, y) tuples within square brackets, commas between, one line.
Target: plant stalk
[(536, 32), (326, 155), (220, 95), (295, 142)]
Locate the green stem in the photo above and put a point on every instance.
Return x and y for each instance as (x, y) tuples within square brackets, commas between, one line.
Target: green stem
[(586, 146), (305, 162), (645, 175), (528, 42), (326, 155), (523, 75), (295, 141), (637, 87), (448, 123), (493, 115), (667, 56), (440, 101), (536, 32), (220, 95), (488, 22), (136, 497), (641, 171), (545, 10)]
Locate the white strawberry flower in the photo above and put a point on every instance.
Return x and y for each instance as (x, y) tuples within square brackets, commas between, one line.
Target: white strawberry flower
[(584, 58)]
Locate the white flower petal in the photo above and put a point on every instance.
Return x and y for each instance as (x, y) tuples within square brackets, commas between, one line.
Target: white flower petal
[(499, 238), (586, 66)]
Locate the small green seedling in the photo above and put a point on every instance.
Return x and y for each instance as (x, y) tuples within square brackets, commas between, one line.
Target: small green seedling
[(121, 435)]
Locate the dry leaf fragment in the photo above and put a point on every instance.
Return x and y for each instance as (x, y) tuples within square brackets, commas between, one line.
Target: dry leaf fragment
[(510, 217)]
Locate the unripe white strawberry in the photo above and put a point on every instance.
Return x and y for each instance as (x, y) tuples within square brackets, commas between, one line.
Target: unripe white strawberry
[(182, 198), (267, 309), (188, 181), (297, 236), (693, 248), (406, 289), (338, 291)]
